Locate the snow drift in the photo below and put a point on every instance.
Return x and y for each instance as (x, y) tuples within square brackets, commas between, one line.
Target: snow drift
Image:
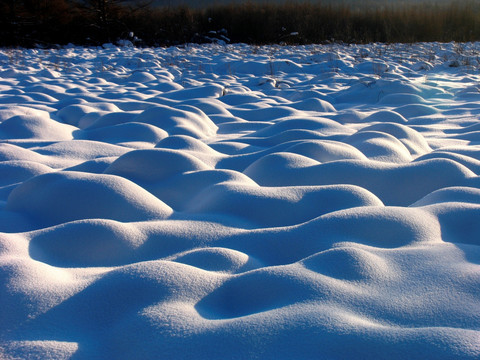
[(234, 202)]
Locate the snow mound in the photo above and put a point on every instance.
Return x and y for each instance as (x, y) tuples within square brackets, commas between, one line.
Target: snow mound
[(272, 206), (191, 121), (35, 127), (153, 165), (17, 171), (73, 196), (118, 134), (92, 242)]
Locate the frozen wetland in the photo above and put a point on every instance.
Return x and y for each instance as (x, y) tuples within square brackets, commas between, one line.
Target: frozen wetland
[(239, 202)]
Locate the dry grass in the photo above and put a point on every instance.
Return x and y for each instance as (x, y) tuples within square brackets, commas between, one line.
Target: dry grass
[(290, 23)]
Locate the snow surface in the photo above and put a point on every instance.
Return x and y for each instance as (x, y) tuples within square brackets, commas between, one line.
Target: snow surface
[(239, 202)]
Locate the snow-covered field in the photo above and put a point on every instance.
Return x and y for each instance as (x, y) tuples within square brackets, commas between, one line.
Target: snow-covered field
[(238, 202)]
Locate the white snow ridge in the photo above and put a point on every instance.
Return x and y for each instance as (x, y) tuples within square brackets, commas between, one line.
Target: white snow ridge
[(232, 202)]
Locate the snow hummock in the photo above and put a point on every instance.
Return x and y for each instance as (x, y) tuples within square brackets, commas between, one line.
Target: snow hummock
[(239, 202)]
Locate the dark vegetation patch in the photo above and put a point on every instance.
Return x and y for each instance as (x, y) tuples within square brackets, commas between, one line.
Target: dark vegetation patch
[(93, 22)]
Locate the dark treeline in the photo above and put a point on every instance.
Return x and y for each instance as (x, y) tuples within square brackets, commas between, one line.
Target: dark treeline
[(93, 22)]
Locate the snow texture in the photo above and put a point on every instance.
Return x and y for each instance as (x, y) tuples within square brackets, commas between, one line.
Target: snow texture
[(238, 202)]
